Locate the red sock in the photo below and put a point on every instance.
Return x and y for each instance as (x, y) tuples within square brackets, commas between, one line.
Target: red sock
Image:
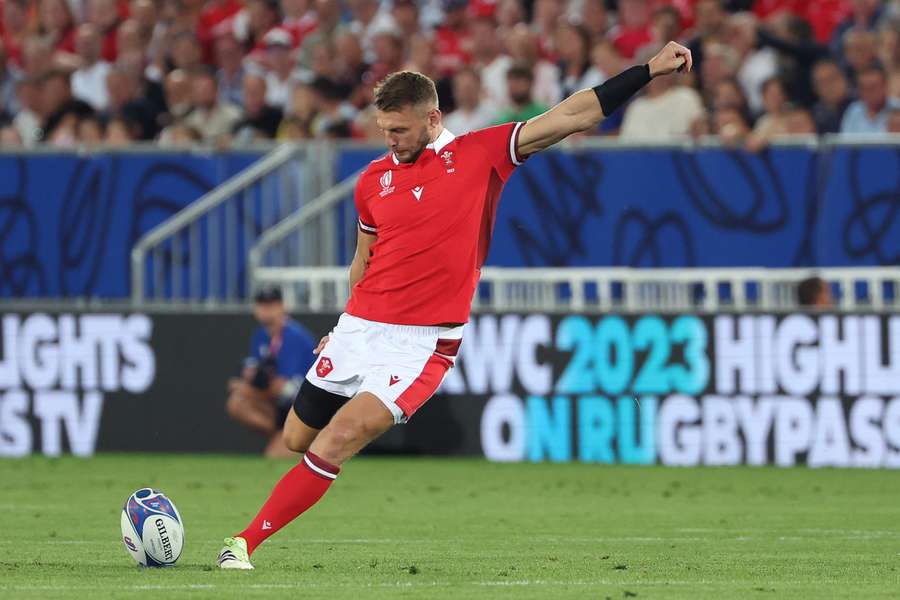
[(298, 490)]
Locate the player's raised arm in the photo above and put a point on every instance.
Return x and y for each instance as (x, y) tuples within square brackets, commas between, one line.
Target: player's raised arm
[(584, 109)]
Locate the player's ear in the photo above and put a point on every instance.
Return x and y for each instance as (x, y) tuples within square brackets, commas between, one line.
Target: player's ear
[(434, 117)]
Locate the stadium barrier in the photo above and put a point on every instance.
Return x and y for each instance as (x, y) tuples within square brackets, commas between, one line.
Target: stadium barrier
[(594, 204), (659, 388)]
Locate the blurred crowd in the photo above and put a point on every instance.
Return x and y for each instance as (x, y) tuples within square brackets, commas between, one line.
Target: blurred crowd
[(233, 72)]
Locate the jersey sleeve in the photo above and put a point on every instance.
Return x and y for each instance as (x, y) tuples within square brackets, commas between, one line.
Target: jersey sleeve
[(501, 143), (366, 221)]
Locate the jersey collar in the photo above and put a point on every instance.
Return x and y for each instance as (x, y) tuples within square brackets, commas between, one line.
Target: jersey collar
[(444, 138)]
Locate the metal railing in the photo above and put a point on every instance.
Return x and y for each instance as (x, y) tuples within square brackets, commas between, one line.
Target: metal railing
[(199, 254), (593, 290), (299, 238)]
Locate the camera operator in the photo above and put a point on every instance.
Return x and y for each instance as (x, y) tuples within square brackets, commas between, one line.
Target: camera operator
[(281, 352)]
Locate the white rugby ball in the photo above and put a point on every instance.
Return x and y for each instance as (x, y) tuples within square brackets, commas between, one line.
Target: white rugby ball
[(152, 530)]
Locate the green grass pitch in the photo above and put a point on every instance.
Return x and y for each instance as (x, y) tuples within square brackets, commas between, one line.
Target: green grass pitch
[(439, 528)]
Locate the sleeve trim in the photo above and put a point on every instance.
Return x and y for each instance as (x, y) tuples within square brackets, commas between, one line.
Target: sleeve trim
[(367, 228), (514, 145)]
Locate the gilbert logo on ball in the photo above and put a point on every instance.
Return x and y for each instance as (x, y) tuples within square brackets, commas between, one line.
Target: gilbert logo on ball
[(152, 530)]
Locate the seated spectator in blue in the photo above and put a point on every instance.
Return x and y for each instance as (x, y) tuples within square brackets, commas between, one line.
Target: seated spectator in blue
[(281, 352), (869, 114)]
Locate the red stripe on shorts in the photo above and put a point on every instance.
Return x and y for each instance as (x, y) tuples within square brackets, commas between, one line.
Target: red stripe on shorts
[(448, 347), (424, 386)]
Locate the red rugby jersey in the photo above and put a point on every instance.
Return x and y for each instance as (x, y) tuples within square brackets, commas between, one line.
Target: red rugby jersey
[(434, 220)]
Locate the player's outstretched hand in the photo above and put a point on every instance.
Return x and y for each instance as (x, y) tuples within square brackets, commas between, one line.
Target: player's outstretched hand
[(321, 345), (673, 57)]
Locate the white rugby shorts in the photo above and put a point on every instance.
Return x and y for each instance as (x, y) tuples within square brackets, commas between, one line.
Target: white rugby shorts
[(402, 365)]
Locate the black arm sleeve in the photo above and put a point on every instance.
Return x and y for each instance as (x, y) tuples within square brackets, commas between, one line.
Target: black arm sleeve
[(616, 91)]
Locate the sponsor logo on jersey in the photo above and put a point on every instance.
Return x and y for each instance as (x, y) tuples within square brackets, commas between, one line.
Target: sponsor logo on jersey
[(386, 187), (324, 367), (417, 192)]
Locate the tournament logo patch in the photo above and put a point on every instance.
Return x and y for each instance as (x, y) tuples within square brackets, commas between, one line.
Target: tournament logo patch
[(385, 181), (324, 367)]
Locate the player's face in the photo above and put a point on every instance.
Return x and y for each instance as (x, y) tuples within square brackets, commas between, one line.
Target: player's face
[(408, 131)]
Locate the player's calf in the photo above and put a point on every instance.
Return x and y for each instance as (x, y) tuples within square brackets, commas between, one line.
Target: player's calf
[(357, 423)]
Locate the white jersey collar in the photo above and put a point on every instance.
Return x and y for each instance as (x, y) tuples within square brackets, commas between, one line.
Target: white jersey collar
[(444, 138)]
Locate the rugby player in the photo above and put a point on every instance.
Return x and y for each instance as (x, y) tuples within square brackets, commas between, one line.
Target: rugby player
[(426, 214)]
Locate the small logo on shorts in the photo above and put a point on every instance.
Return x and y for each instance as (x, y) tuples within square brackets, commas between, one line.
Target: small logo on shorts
[(324, 367), (266, 525), (394, 379)]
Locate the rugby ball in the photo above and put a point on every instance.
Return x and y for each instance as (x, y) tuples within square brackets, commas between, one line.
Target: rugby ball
[(152, 530)]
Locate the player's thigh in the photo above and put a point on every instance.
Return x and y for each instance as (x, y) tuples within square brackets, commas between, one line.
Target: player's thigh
[(358, 422)]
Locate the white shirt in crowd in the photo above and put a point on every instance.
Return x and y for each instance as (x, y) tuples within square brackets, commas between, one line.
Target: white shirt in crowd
[(462, 121), (89, 85), (665, 117), (756, 68), (493, 82)]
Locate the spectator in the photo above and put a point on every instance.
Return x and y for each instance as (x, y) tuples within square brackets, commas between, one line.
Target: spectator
[(89, 80), (127, 100), (523, 48), (775, 104), (262, 17), (348, 61), (489, 61), (720, 62), (865, 15), (120, 133), (185, 53), (595, 19), (730, 126), (15, 30), (58, 25), (893, 125), (333, 108), (9, 76), (523, 106), (889, 44), (573, 44), (368, 21), (633, 29), (329, 13), (213, 118), (177, 89), (37, 56), (406, 17), (281, 75), (814, 292), (860, 52), (547, 14), (90, 130), (298, 123), (869, 114), (833, 93), (104, 15), (388, 50), (27, 120), (756, 64), (9, 137), (281, 351), (665, 111), (179, 135), (299, 19), (230, 73), (260, 120), (130, 37), (448, 38), (421, 59), (797, 51), (710, 29), (728, 94), (472, 110), (58, 109)]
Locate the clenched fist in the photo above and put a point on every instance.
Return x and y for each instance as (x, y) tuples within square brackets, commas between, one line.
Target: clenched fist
[(673, 57)]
